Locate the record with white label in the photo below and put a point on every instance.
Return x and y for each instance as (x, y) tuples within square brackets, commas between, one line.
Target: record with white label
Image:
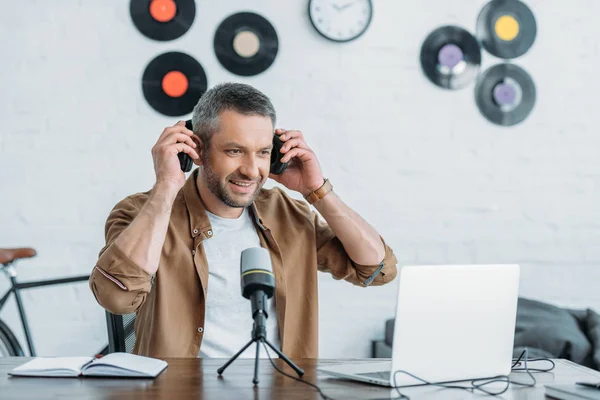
[(246, 44)]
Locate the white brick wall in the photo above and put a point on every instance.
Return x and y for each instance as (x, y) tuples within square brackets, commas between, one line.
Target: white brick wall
[(439, 182)]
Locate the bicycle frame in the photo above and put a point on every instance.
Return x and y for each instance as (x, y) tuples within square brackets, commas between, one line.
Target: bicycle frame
[(15, 288)]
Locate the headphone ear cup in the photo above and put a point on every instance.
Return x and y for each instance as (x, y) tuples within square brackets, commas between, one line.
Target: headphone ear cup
[(277, 167), (185, 161)]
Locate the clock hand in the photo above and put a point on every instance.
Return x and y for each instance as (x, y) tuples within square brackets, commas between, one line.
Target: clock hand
[(347, 5)]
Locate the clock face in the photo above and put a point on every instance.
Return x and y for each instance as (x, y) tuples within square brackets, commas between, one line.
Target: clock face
[(340, 20)]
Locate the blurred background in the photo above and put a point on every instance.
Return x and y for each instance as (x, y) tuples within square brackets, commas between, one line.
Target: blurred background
[(440, 181)]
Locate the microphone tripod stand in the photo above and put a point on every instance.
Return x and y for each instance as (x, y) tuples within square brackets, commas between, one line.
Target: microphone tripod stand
[(259, 335)]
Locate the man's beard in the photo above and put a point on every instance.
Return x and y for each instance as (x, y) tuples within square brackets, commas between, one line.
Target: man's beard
[(220, 190)]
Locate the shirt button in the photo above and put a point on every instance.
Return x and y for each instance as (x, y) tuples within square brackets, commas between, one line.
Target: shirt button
[(209, 233), (200, 330), (193, 252), (195, 231)]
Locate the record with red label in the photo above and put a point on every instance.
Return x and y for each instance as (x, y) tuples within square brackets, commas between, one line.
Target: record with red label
[(505, 94), (246, 44), (506, 28), (162, 20), (173, 83), (450, 57)]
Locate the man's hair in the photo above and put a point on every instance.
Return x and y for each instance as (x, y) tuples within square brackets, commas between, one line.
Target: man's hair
[(238, 97)]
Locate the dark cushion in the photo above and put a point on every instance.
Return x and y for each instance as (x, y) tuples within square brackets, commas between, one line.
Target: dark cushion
[(389, 331), (548, 330)]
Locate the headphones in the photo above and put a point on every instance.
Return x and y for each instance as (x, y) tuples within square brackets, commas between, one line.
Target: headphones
[(277, 167)]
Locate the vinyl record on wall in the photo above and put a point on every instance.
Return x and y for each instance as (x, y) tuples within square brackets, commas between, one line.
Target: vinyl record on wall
[(506, 28), (173, 83), (450, 57), (162, 20), (246, 44), (505, 94)]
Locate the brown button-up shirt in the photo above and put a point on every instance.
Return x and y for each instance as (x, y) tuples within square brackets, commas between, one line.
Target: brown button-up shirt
[(170, 304)]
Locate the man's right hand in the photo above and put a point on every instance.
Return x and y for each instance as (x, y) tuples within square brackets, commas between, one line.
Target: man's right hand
[(173, 140)]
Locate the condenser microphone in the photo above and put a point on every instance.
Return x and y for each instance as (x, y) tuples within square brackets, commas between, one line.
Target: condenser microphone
[(258, 284), (256, 272), (257, 280)]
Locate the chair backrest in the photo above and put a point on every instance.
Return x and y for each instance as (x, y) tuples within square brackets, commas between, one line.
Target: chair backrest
[(121, 333)]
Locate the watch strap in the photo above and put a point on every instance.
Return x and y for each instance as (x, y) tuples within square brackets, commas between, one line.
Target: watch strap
[(318, 194)]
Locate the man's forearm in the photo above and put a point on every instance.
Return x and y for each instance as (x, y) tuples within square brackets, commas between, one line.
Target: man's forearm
[(361, 241), (142, 241)]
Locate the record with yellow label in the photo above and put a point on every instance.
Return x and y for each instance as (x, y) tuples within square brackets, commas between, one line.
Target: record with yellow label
[(506, 28), (173, 83)]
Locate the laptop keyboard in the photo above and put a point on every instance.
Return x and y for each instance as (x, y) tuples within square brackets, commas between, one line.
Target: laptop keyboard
[(379, 375)]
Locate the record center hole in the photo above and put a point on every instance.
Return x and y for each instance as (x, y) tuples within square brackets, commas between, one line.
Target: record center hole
[(246, 44), (175, 84), (163, 10), (507, 28)]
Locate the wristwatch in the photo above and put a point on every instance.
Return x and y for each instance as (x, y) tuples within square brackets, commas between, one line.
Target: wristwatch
[(318, 194)]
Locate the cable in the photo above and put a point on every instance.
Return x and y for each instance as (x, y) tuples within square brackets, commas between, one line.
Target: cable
[(293, 377), (517, 362), (486, 381), (474, 383)]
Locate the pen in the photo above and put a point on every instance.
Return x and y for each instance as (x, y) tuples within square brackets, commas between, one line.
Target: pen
[(588, 384)]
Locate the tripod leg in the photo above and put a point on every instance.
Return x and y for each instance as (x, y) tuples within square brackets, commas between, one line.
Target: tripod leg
[(232, 359), (255, 380), (298, 370)]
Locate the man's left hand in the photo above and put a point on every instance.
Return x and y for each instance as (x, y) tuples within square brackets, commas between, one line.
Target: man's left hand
[(303, 173)]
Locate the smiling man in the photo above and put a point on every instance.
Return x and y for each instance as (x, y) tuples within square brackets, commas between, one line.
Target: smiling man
[(172, 254)]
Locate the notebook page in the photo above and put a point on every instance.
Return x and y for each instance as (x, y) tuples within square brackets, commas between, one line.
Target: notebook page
[(52, 366), (125, 364)]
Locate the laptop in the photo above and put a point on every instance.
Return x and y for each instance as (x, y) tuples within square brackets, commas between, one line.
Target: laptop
[(453, 323)]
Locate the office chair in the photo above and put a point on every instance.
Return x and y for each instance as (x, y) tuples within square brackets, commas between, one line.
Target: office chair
[(121, 334)]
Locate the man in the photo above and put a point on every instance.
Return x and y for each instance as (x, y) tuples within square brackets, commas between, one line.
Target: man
[(172, 254)]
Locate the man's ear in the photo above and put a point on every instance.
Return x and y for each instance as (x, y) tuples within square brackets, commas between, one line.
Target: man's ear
[(199, 149)]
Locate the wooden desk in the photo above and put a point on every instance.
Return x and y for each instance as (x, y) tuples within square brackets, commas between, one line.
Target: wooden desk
[(198, 379)]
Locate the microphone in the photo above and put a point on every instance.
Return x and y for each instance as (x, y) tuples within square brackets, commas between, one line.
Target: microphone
[(257, 280), (258, 284), (256, 272)]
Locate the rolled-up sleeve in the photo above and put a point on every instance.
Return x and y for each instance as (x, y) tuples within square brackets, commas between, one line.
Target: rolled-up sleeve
[(332, 258), (118, 284)]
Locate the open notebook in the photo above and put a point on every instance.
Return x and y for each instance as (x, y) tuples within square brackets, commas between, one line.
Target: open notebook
[(112, 365)]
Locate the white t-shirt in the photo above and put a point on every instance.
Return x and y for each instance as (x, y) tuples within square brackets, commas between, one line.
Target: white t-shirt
[(228, 316)]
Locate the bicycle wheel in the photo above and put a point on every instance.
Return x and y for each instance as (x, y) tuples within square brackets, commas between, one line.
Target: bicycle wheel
[(9, 345)]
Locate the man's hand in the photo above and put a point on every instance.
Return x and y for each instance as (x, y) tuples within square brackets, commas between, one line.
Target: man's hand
[(173, 140), (303, 173)]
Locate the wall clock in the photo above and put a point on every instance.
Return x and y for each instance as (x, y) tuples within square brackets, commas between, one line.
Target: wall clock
[(340, 20)]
